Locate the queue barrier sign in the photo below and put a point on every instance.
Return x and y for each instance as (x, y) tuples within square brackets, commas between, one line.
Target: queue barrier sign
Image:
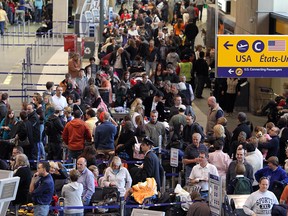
[(174, 161), (243, 56), (70, 42)]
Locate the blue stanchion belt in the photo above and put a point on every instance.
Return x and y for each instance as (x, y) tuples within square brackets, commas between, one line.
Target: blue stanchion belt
[(111, 206)]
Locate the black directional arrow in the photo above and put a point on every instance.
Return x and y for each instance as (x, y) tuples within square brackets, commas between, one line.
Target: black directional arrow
[(227, 45)]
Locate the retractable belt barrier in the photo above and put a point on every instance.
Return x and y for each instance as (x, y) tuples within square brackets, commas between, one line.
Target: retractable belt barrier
[(111, 206)]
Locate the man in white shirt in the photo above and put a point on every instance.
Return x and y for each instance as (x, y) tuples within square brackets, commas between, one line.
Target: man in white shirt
[(254, 160), (59, 102), (155, 21), (200, 173)]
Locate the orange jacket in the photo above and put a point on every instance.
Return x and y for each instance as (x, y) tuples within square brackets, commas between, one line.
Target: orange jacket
[(75, 133)]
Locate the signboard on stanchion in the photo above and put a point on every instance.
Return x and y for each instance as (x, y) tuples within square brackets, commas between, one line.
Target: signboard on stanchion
[(215, 194), (243, 56), (70, 42), (174, 157)]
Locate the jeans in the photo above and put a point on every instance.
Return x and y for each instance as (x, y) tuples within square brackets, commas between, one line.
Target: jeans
[(55, 152), (74, 154), (41, 150), (20, 14), (75, 214), (200, 82), (150, 66), (2, 24), (38, 15), (188, 170), (41, 210)]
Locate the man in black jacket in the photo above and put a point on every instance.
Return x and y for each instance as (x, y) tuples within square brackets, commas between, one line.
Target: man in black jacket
[(151, 166), (155, 103), (202, 73), (55, 127), (34, 120), (191, 31), (120, 60), (243, 125), (143, 89)]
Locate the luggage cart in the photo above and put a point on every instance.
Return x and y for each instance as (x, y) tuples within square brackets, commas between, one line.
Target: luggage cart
[(265, 94)]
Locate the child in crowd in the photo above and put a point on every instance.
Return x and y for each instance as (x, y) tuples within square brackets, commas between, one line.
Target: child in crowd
[(263, 136), (95, 171)]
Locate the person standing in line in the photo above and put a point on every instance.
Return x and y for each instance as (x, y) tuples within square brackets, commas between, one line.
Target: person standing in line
[(232, 90), (38, 10), (42, 189), (74, 66), (261, 201), (3, 19), (215, 112), (75, 133), (86, 178), (201, 69), (72, 193), (200, 5), (200, 173)]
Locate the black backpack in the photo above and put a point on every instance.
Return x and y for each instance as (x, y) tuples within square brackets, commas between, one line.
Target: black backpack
[(48, 127)]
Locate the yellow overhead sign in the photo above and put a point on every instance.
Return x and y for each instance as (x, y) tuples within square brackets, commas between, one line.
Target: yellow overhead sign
[(252, 55)]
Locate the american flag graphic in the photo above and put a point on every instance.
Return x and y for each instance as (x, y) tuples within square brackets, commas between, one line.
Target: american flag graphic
[(276, 45)]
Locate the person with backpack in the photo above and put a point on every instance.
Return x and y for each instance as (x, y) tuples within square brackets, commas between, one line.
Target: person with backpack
[(240, 184), (53, 128), (231, 174)]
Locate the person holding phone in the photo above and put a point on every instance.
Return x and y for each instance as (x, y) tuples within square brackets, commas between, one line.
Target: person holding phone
[(200, 173), (42, 189)]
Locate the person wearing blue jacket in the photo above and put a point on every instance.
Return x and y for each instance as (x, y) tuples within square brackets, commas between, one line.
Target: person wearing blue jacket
[(273, 171)]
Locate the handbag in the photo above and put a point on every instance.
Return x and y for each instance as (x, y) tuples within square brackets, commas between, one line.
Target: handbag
[(137, 149), (103, 106), (22, 143)]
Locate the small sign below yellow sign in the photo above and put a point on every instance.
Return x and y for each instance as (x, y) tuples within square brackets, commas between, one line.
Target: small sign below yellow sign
[(252, 56)]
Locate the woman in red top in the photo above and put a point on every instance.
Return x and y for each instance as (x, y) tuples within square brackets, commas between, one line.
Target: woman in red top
[(125, 16), (11, 15)]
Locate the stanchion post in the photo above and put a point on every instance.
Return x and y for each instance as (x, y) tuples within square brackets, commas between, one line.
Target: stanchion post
[(7, 41), (42, 44), (24, 28), (51, 32), (1, 41), (18, 33), (163, 183), (173, 177), (13, 35), (122, 207), (45, 42), (29, 24), (38, 48), (35, 51)]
